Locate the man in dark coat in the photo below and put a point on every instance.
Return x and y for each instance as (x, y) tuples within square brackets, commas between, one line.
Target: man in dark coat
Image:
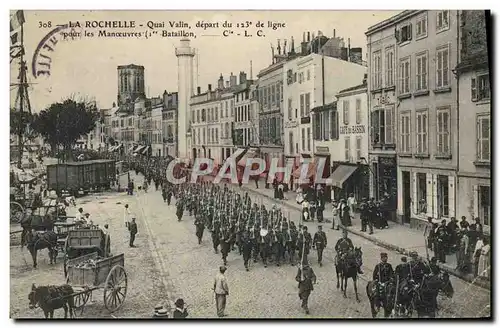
[(224, 244), (382, 274), (441, 241), (246, 248), (320, 242), (418, 269), (306, 278), (200, 227), (402, 270), (180, 210), (169, 196), (180, 311), (132, 228), (216, 236)]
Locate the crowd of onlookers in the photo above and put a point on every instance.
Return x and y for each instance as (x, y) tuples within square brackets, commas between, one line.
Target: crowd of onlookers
[(467, 241)]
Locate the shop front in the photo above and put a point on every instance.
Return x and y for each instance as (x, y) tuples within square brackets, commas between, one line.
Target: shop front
[(323, 153)]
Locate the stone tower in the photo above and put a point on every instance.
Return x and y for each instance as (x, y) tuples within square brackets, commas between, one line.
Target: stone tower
[(185, 56), (130, 84)]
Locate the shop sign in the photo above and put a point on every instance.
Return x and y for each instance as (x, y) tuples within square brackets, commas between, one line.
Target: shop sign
[(322, 149), (352, 129)]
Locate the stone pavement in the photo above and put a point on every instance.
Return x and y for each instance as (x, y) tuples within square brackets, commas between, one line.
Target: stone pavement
[(398, 237)]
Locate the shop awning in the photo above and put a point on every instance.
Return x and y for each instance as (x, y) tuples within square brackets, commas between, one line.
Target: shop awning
[(111, 149), (251, 153), (341, 174), (139, 149), (144, 151), (311, 170), (131, 149)]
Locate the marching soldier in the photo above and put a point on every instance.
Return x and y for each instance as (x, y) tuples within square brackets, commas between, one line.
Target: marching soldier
[(320, 242), (291, 243), (402, 270), (246, 245), (254, 231), (216, 236), (169, 195), (180, 209), (306, 278), (200, 227), (224, 244), (276, 246), (264, 242), (304, 243)]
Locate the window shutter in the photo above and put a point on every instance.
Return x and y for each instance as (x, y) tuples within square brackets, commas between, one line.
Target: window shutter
[(475, 201), (451, 196), (434, 196), (429, 199), (415, 199), (409, 31), (473, 88), (396, 35)]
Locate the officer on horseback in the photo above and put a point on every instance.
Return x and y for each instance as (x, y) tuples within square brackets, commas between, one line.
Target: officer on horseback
[(343, 246), (382, 275), (418, 269)]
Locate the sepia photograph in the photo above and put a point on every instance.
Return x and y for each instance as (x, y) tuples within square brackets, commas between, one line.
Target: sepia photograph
[(250, 164)]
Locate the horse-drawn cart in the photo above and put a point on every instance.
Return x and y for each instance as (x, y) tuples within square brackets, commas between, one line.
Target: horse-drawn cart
[(80, 242), (89, 272)]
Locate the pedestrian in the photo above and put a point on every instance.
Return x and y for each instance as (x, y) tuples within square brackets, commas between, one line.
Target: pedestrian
[(180, 311), (306, 279), (351, 202), (477, 254), (126, 215), (105, 231), (431, 235), (335, 214), (479, 227), (462, 251), (484, 260), (132, 227), (441, 242), (221, 290), (464, 224), (320, 242)]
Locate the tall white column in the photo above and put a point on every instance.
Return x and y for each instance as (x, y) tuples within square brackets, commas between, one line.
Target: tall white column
[(185, 56)]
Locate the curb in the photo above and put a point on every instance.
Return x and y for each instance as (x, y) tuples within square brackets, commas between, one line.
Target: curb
[(378, 242)]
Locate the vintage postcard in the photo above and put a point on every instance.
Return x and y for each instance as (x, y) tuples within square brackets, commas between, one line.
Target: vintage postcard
[(250, 164)]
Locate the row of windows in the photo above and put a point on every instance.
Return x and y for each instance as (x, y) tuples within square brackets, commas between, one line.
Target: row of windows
[(292, 77), (270, 130), (126, 81), (382, 126), (208, 136), (243, 113), (243, 137), (212, 114), (407, 81), (271, 95), (405, 33)]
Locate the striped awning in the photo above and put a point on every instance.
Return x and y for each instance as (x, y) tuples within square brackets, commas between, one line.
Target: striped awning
[(139, 149)]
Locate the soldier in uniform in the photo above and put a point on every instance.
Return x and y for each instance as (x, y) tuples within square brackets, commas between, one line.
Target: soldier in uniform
[(418, 269), (382, 274), (343, 246), (304, 243), (216, 235), (264, 242), (180, 209), (225, 244), (276, 246), (441, 241), (306, 278), (246, 245), (200, 227), (169, 195), (291, 243), (434, 267), (402, 270), (320, 243)]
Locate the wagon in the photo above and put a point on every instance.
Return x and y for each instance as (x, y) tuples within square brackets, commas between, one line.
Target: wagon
[(89, 272)]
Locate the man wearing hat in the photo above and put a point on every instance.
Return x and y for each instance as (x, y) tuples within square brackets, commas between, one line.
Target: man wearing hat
[(304, 242), (417, 268), (320, 242), (402, 270), (132, 228), (180, 311), (382, 274), (342, 246), (221, 291), (434, 267), (306, 278)]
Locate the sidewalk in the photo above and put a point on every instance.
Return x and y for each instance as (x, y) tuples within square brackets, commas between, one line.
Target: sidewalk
[(397, 238)]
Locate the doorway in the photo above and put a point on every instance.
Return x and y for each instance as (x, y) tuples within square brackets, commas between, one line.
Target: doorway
[(406, 197)]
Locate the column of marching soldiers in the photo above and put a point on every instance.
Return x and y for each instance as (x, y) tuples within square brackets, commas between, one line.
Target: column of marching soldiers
[(233, 221)]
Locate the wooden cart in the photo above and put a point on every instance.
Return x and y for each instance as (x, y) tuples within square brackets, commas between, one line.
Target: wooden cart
[(104, 273)]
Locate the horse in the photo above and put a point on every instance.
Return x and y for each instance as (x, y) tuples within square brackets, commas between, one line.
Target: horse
[(384, 297), (347, 267), (50, 298), (39, 241), (35, 222), (425, 300)]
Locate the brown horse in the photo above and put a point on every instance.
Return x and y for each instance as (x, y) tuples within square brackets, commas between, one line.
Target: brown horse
[(36, 241), (347, 267), (50, 298)]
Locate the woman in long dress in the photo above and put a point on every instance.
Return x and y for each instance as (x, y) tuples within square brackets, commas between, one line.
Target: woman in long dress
[(484, 260)]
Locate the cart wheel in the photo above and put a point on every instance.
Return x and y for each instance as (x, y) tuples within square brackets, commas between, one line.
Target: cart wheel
[(115, 288), (16, 212), (82, 299)]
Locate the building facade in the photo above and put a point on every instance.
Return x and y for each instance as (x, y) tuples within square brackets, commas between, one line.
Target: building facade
[(169, 123), (342, 131), (474, 121), (244, 128)]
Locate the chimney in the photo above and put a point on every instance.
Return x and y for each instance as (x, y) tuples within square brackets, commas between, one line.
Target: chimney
[(209, 88), (334, 33), (308, 36), (304, 37), (279, 47), (198, 90), (227, 84), (243, 77), (220, 83), (293, 46), (232, 80), (284, 47)]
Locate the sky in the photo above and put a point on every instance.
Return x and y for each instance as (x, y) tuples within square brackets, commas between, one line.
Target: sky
[(87, 66)]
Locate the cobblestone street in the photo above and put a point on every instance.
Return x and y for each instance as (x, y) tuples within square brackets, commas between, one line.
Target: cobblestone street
[(168, 263)]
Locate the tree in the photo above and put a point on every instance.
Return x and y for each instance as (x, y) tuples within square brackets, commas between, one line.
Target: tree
[(63, 123)]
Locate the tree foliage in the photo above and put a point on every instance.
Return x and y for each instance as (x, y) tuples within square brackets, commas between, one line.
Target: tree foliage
[(63, 123)]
